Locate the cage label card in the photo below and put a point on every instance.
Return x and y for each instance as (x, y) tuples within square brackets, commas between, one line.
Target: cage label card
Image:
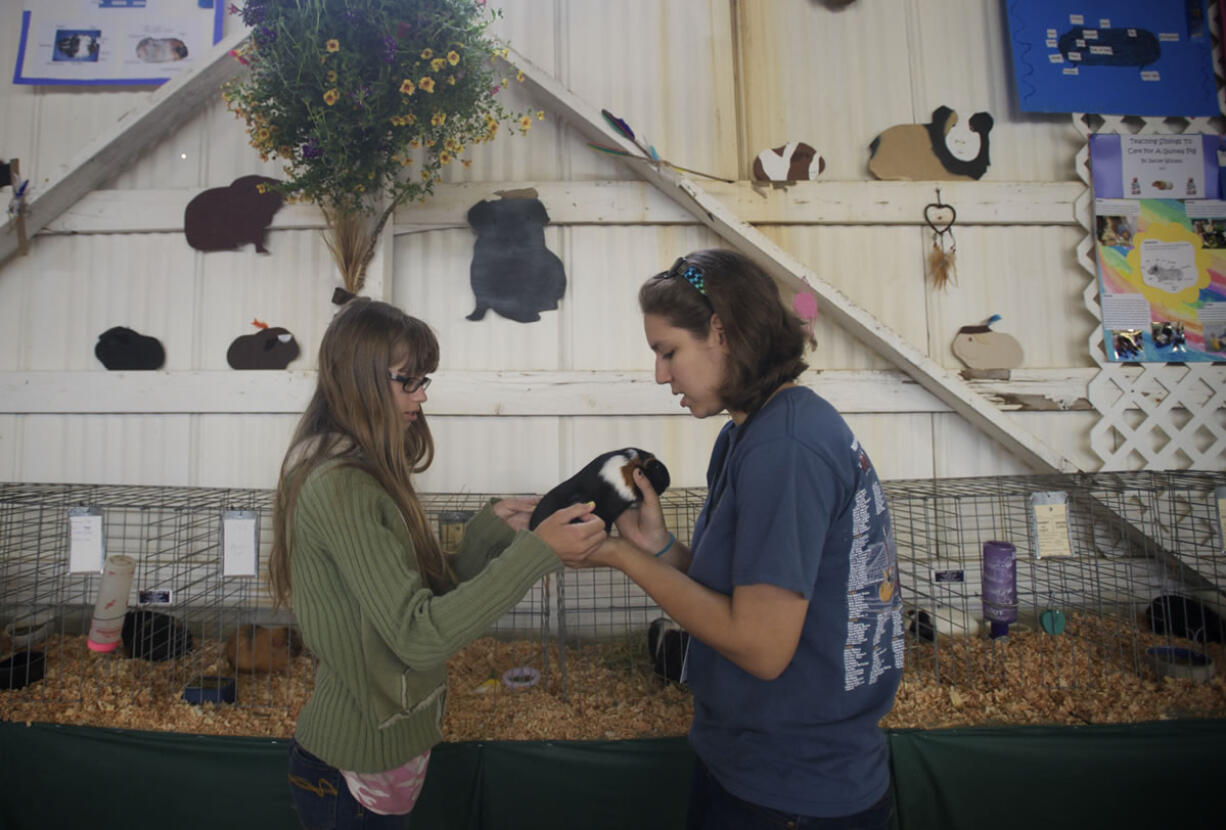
[(86, 542), (1049, 524), (239, 542), (949, 575), (155, 596)]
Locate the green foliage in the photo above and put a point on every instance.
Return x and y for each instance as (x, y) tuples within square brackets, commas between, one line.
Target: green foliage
[(361, 97)]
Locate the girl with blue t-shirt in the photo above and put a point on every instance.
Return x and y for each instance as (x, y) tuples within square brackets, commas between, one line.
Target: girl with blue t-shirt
[(789, 589)]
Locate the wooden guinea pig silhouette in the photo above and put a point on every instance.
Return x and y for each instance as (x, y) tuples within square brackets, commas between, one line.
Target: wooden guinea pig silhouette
[(512, 271), (981, 348), (152, 635), (938, 151), (794, 161), (608, 480), (259, 648), (122, 348), (226, 218), (268, 348)]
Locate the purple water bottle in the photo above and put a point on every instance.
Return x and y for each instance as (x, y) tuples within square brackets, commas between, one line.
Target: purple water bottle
[(999, 586)]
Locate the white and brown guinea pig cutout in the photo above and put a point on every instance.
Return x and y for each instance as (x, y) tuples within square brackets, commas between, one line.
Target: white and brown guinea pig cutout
[(981, 348), (793, 162), (945, 149)]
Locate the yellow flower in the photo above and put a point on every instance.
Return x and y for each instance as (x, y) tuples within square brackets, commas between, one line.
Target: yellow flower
[(466, 162), (426, 54), (505, 52), (410, 119), (330, 97), (262, 135), (444, 157), (451, 79), (331, 76), (540, 115), (333, 45), (450, 144), (438, 119), (453, 57), (519, 76), (406, 161), (425, 174), (361, 188), (437, 64), (414, 143), (525, 123), (406, 86), (427, 84), (505, 82), (261, 188)]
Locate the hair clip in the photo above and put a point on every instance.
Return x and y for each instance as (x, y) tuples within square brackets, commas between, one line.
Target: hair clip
[(690, 274)]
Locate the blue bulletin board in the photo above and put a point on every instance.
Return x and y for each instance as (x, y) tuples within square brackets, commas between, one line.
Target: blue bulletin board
[(113, 42), (1123, 57)]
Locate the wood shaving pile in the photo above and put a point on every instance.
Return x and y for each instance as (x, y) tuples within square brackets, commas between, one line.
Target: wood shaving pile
[(1089, 674)]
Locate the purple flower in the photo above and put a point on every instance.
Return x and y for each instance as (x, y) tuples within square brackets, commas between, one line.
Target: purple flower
[(310, 150), (265, 35), (389, 49)]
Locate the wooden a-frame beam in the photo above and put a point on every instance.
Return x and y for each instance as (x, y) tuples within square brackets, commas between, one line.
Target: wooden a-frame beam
[(793, 276), (132, 136)]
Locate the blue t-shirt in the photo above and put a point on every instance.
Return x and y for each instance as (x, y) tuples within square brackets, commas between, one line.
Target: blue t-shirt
[(793, 501)]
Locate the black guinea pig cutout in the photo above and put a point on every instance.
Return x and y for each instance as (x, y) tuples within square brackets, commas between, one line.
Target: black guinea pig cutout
[(226, 218), (268, 348), (512, 271), (608, 480), (121, 348)]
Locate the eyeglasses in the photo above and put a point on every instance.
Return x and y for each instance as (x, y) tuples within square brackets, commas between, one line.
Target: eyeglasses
[(410, 384), (690, 273)]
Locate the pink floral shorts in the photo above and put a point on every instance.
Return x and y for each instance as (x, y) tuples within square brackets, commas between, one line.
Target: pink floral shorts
[(389, 793)]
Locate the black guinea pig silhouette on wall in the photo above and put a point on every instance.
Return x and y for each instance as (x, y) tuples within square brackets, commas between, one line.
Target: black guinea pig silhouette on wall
[(512, 271), (268, 348), (608, 480), (121, 348), (940, 150), (226, 218)]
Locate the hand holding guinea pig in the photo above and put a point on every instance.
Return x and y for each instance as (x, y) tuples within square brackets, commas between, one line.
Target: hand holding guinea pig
[(643, 524), (572, 532), (516, 511)]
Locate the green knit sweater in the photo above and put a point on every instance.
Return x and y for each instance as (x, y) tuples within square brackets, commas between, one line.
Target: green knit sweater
[(381, 636)]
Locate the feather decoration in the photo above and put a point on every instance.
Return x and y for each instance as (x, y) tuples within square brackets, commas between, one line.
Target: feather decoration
[(624, 130), (615, 151), (941, 265)]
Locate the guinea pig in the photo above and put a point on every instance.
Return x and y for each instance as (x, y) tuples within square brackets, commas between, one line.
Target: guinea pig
[(260, 648), (151, 635), (608, 480), (666, 645), (1180, 616)]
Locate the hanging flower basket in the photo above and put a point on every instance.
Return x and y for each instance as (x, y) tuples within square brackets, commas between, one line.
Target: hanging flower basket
[(366, 102)]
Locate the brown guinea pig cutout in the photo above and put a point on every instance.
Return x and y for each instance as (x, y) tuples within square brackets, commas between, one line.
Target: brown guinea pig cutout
[(793, 162), (941, 150), (226, 218), (121, 348), (259, 648), (268, 348), (981, 348)]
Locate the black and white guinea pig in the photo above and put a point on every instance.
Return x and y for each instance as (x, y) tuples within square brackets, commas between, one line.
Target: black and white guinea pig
[(666, 645), (608, 480)]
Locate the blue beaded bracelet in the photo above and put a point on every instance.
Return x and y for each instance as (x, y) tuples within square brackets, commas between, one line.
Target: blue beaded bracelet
[(672, 537)]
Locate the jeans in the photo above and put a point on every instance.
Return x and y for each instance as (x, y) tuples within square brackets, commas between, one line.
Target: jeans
[(322, 800), (714, 808)]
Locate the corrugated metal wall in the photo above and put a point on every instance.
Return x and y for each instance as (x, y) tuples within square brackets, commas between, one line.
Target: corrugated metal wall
[(710, 83)]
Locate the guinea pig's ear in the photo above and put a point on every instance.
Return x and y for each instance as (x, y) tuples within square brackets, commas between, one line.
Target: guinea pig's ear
[(981, 122), (536, 212), (944, 117), (481, 214)]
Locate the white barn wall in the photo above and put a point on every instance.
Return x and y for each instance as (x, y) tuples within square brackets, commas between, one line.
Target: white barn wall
[(670, 69)]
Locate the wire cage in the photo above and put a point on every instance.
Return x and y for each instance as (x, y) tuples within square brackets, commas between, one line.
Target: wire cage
[(207, 622), (1106, 572)]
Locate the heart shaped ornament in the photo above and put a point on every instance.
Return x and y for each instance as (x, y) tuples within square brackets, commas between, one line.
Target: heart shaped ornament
[(940, 217)]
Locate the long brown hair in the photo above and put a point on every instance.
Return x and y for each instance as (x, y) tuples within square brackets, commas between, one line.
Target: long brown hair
[(766, 341), (353, 416)]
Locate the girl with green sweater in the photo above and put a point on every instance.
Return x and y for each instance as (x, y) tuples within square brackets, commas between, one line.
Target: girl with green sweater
[(379, 604)]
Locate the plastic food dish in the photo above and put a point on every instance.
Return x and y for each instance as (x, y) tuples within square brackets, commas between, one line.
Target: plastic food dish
[(27, 632), (209, 689), (1171, 661), (22, 668), (521, 677)]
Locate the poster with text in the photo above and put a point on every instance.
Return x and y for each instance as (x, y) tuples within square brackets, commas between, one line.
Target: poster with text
[(1121, 57), (112, 42)]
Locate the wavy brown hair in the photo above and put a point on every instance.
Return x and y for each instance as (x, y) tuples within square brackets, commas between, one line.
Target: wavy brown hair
[(353, 417), (766, 341)]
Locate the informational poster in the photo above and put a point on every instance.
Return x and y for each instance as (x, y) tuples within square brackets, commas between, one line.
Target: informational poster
[(1120, 57), (113, 42), (1161, 261)]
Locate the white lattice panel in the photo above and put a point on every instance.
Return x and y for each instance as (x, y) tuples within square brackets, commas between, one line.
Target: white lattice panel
[(1148, 419)]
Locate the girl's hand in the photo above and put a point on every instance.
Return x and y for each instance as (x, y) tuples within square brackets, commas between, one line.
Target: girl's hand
[(643, 525), (572, 532), (516, 511)]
